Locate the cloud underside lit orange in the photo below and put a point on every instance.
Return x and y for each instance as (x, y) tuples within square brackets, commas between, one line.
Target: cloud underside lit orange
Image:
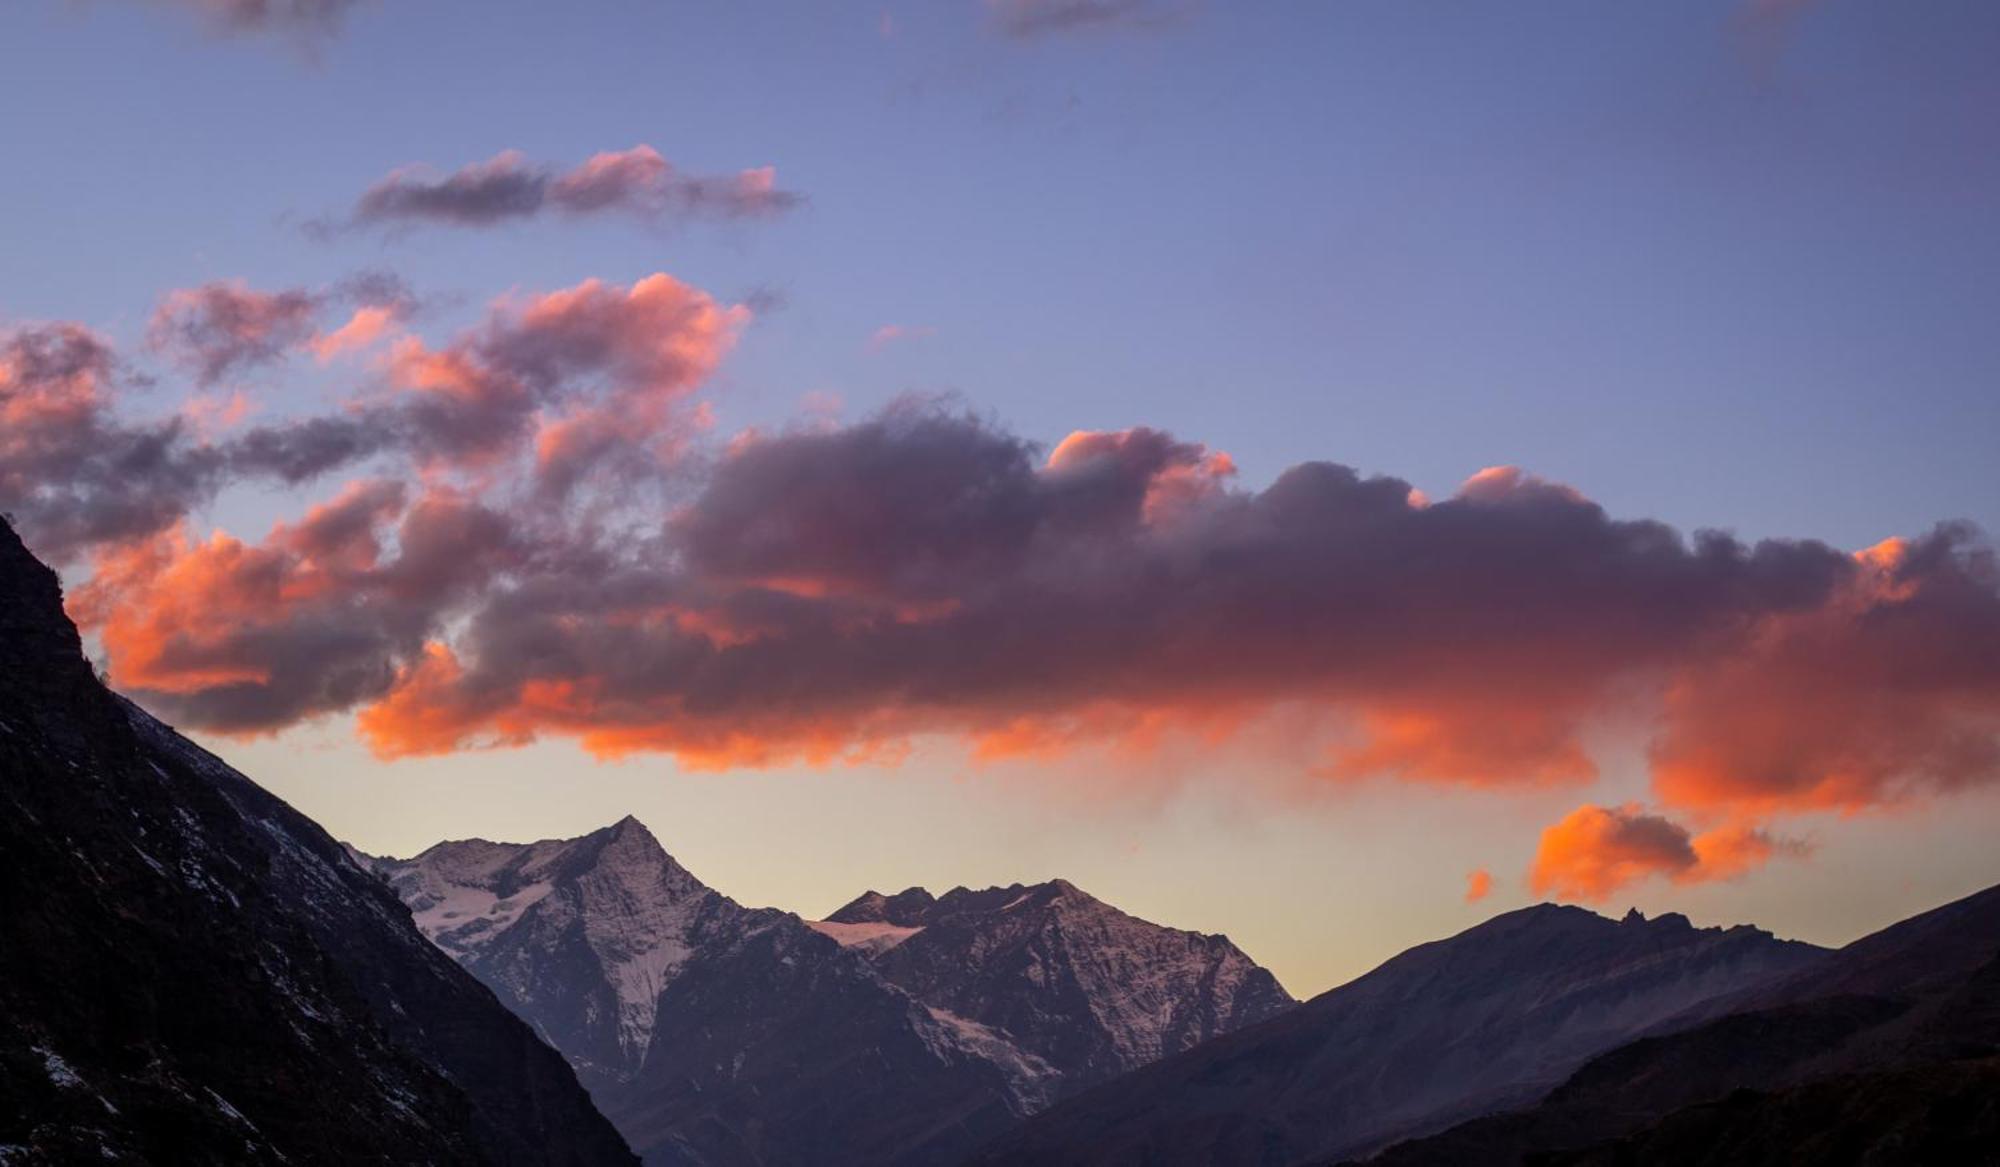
[(536, 540), (829, 595)]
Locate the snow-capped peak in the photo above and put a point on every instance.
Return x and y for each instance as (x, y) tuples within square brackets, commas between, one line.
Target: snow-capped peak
[(635, 908)]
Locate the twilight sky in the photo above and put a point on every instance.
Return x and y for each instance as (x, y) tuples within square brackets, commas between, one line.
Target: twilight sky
[(1318, 472)]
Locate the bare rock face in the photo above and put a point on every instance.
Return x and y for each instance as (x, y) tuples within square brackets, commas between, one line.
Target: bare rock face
[(1485, 1020), (903, 1030), (1075, 981), (191, 971)]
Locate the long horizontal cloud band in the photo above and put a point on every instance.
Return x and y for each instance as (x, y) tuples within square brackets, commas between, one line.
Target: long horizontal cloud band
[(922, 572), (542, 545)]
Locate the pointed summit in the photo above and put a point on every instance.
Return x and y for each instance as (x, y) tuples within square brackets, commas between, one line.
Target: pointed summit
[(510, 912)]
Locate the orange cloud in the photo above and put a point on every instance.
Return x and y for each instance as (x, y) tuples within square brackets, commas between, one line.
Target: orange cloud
[(538, 556), (1596, 851), (1478, 885), (218, 629), (1886, 693), (368, 324)]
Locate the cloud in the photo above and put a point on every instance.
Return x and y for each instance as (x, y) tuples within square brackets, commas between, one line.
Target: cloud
[(924, 572), (589, 376), (1596, 851), (225, 327), (1887, 693), (890, 334), (312, 21), (1029, 19), (638, 183), (1478, 885), (220, 328), (581, 387), (833, 591), (216, 629), (75, 475), (548, 543)]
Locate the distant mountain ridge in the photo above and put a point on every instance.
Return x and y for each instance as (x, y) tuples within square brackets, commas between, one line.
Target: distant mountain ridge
[(1486, 1019), (713, 1033), (1887, 1051), (193, 972)]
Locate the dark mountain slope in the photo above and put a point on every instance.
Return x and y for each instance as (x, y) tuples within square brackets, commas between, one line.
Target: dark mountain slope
[(1487, 1019), (191, 972), (1879, 1054)]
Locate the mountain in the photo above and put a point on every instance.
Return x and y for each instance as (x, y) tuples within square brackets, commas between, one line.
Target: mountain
[(712, 1033), (579, 936), (193, 972), (1485, 1020), (1886, 1052), (709, 1032), (1074, 981)]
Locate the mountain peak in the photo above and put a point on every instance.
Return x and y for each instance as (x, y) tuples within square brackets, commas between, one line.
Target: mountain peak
[(906, 909), (42, 666), (629, 832)]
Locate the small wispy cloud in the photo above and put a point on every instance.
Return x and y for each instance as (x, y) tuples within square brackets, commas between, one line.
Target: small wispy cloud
[(890, 334), (638, 183), (308, 23), (1032, 19)]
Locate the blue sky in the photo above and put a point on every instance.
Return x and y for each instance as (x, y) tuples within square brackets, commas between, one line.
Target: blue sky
[(1709, 267)]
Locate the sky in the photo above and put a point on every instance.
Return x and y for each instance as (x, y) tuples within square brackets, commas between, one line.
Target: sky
[(1323, 473)]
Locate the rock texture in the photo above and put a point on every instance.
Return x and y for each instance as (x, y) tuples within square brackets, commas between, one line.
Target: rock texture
[(1485, 1020), (1887, 1052), (192, 972), (713, 1033), (1076, 982)]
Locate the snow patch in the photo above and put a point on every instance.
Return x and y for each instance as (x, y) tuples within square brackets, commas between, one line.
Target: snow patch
[(870, 937), (1031, 1082)]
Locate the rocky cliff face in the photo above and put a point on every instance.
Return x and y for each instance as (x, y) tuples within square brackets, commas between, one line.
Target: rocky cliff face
[(1089, 989), (579, 936), (713, 1033), (1481, 1021), (191, 971)]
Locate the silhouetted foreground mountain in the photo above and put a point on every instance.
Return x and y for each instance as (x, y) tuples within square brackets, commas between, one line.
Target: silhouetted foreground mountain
[(192, 972), (1488, 1019), (1888, 1052), (717, 1034)]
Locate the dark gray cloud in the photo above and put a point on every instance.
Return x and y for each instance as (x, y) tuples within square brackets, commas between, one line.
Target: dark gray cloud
[(638, 183)]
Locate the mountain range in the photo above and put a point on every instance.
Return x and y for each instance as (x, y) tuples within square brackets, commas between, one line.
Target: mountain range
[(1485, 1020), (193, 972), (901, 1029)]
